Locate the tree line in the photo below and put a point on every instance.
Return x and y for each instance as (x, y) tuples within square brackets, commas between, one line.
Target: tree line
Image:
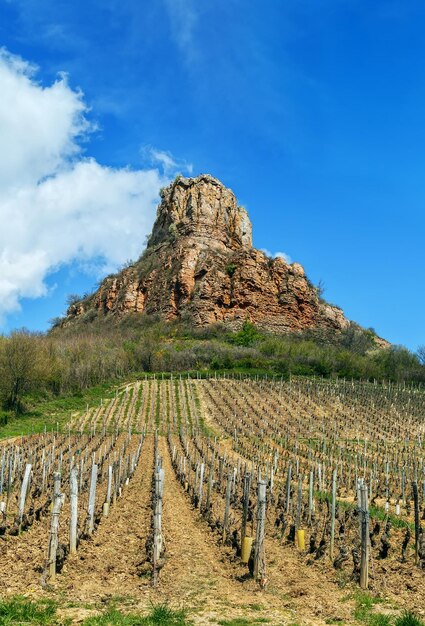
[(72, 359)]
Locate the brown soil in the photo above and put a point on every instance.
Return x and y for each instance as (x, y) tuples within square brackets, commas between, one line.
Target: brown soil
[(199, 573)]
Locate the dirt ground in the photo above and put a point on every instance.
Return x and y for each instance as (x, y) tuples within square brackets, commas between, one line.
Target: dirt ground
[(199, 574)]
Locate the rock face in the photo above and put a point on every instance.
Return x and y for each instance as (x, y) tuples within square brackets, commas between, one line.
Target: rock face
[(200, 263)]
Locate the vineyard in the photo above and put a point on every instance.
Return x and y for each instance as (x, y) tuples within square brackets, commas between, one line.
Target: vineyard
[(226, 496)]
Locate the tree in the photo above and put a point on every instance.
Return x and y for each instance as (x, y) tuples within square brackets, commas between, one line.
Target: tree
[(19, 367), (320, 289), (421, 354), (73, 298), (247, 335)]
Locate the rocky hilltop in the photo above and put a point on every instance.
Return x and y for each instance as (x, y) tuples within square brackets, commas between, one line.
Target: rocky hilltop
[(199, 262)]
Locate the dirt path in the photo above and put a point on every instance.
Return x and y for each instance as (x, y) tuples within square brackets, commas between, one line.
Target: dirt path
[(106, 565), (199, 574)]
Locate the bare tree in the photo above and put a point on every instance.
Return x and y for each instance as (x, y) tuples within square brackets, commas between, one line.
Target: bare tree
[(19, 366), (421, 354)]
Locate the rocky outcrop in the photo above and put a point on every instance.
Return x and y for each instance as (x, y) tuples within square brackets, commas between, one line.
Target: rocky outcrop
[(200, 263)]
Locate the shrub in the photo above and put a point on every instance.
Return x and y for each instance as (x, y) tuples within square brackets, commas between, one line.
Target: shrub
[(247, 336), (408, 619), (231, 269)]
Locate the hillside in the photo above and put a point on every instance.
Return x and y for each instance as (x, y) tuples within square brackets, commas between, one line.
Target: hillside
[(214, 445), (200, 265)]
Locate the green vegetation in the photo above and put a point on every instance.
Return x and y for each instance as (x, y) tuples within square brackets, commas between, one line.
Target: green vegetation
[(366, 613), (50, 411), (231, 269), (364, 609), (408, 619), (247, 336), (375, 512), (20, 610), (37, 370), (160, 615)]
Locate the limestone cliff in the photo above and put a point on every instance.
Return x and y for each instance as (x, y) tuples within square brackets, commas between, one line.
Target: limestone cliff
[(200, 263)]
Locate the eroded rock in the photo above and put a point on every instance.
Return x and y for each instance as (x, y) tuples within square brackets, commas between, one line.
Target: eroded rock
[(200, 262)]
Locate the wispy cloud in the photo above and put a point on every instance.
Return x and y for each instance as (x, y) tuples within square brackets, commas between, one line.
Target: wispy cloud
[(275, 255), (165, 160), (183, 16)]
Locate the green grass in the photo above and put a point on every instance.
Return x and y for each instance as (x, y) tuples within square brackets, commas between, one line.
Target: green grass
[(364, 613), (375, 512), (19, 610), (408, 619), (380, 514), (160, 615), (50, 412)]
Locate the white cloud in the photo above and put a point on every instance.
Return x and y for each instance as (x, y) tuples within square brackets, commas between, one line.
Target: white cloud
[(165, 160), (275, 255), (56, 205), (183, 16)]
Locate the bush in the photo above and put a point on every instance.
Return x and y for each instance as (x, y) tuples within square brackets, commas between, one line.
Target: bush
[(231, 269), (247, 336), (408, 619), (281, 367)]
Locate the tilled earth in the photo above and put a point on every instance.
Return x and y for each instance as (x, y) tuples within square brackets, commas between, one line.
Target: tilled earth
[(199, 574)]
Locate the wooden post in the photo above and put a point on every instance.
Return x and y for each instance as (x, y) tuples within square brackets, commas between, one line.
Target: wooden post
[(54, 526), (260, 554), (107, 503), (227, 506), (73, 500), (3, 464), (299, 502), (417, 523), (92, 499), (81, 473), (364, 560), (333, 506), (210, 485), (196, 479), (201, 482), (24, 491), (288, 489), (157, 523), (9, 481), (310, 497), (246, 490)]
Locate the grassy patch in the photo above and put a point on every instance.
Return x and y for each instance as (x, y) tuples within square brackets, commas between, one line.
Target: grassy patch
[(380, 514), (408, 619), (53, 412), (160, 615), (20, 610), (366, 614), (363, 612), (256, 607)]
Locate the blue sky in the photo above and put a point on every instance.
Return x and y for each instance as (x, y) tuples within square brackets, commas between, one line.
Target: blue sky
[(311, 111)]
